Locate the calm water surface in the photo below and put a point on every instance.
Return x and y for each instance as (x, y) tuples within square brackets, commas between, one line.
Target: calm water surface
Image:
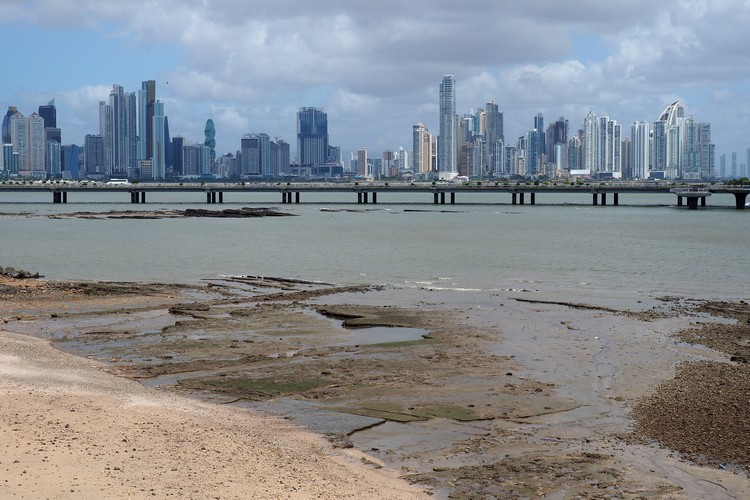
[(563, 244)]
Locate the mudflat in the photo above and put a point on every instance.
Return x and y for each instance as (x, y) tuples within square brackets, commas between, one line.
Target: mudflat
[(501, 395)]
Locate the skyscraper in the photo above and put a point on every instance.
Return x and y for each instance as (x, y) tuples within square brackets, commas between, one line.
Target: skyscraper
[(640, 150), (447, 159), (494, 137), (209, 134), (312, 136), (158, 164), (147, 97)]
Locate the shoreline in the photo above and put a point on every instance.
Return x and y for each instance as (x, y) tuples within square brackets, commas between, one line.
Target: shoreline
[(516, 397)]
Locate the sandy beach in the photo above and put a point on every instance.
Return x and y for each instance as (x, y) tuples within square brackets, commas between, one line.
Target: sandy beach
[(522, 398), (69, 430)]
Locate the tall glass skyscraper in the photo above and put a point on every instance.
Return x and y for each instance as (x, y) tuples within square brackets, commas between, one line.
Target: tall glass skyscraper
[(447, 164), (312, 136)]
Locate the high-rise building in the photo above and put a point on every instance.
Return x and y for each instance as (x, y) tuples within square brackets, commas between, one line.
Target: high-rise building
[(312, 136), (48, 113), (158, 164), (28, 139), (177, 155), (591, 143), (250, 155), (447, 157), (362, 162), (640, 151), (698, 151), (93, 155), (421, 151), (71, 154), (53, 159), (280, 157), (209, 134), (107, 133), (494, 137), (147, 98), (12, 110), (668, 141)]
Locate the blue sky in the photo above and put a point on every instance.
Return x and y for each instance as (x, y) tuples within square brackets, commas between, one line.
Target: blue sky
[(376, 68)]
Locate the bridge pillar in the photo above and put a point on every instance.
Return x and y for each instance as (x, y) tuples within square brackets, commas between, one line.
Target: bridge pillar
[(739, 200), (616, 200), (604, 199), (692, 202), (435, 198), (533, 198), (64, 196), (374, 198), (359, 197), (453, 198), (596, 200), (513, 197), (213, 197), (143, 196), (366, 197), (442, 198), (520, 196), (55, 197), (703, 201), (132, 197), (296, 197), (208, 197), (679, 201), (221, 196)]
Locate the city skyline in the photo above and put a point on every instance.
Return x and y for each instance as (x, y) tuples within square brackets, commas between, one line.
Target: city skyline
[(249, 68)]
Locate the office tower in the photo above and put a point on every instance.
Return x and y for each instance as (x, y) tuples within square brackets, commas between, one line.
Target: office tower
[(640, 151), (265, 154), (734, 173), (177, 155), (312, 136), (93, 155), (53, 159), (70, 167), (334, 155), (362, 162), (158, 163), (723, 166), (698, 151), (494, 137), (119, 146), (147, 101), (447, 158), (557, 134), (250, 156), (209, 134), (533, 152), (626, 149), (10, 159), (280, 152), (12, 110), (539, 126), (48, 113), (575, 154)]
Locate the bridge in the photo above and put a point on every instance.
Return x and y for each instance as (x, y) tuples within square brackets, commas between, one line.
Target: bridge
[(441, 193)]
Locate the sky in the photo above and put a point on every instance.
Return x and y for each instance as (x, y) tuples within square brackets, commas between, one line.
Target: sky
[(375, 67)]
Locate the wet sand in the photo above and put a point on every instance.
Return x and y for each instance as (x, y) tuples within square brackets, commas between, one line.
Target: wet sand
[(483, 395)]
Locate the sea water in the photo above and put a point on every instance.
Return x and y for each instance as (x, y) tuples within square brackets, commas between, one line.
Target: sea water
[(646, 245)]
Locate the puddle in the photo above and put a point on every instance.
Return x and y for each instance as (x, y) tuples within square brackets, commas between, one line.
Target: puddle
[(380, 335)]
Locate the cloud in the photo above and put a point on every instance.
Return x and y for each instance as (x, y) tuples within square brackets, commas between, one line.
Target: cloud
[(376, 67)]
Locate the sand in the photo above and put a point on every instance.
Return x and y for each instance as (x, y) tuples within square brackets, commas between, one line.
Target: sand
[(505, 398), (69, 430)]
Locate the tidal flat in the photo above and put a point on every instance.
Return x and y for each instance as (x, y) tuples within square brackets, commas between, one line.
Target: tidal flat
[(491, 395)]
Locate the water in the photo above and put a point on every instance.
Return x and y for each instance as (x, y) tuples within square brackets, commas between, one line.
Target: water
[(645, 246)]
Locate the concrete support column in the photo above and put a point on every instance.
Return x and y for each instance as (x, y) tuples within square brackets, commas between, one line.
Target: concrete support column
[(55, 197), (359, 197), (366, 197), (435, 198), (374, 198), (739, 200), (604, 199), (442, 198), (208, 197), (703, 201), (513, 197), (64, 196), (143, 196), (221, 197), (533, 198), (520, 196), (296, 197), (616, 200), (679, 201), (596, 200), (453, 198), (213, 197), (692, 202)]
